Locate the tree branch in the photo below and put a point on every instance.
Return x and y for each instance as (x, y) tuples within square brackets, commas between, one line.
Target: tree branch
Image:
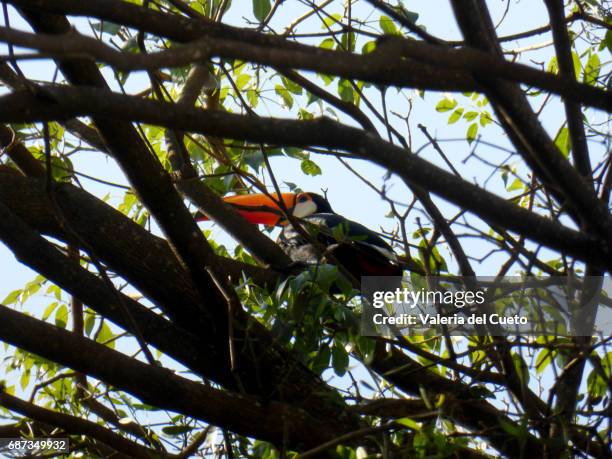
[(159, 387), (68, 102), (77, 426), (527, 133), (573, 112), (449, 67)]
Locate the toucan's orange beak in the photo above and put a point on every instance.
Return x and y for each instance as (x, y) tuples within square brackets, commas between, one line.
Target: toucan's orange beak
[(259, 208)]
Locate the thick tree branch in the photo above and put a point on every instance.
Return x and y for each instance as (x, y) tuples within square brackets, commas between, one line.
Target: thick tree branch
[(387, 65), (77, 426), (68, 102), (273, 421), (12, 146), (566, 387), (573, 112), (76, 127), (39, 254), (219, 39)]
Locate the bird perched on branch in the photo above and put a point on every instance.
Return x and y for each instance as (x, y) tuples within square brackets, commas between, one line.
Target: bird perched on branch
[(313, 233)]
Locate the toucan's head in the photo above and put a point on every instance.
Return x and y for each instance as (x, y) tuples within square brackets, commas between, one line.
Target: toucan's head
[(266, 209)]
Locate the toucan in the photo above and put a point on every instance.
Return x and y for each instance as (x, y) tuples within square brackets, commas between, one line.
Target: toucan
[(324, 236)]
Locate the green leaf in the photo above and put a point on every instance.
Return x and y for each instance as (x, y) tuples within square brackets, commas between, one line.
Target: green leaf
[(321, 360), (413, 425), (242, 80), (470, 135), (106, 335), (410, 15), (521, 368), (577, 64), (55, 291), (553, 66), (261, 8), (485, 118), (129, 200), (106, 27), (455, 116), (369, 47), (294, 152), (49, 310), (596, 387), (469, 116), (90, 321), (12, 297), (348, 41), (436, 261), (387, 25), (285, 95), (305, 114), (517, 184), (591, 69), (607, 41), (252, 97), (332, 19), (328, 43), (327, 79), (562, 141), (366, 346), (61, 316), (446, 104), (345, 90), (291, 86), (340, 359), (544, 358), (510, 427), (254, 159), (309, 167), (32, 288), (24, 380), (419, 443)]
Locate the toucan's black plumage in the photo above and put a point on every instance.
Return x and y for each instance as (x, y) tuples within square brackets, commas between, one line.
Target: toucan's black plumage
[(360, 250)]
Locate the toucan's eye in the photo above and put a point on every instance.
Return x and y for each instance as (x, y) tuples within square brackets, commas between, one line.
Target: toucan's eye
[(302, 198)]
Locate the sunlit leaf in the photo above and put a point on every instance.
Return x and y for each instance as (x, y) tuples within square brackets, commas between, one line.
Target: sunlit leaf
[(446, 104), (591, 69), (455, 116), (12, 297), (61, 316), (309, 167), (284, 95), (471, 133), (562, 141), (387, 25)]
